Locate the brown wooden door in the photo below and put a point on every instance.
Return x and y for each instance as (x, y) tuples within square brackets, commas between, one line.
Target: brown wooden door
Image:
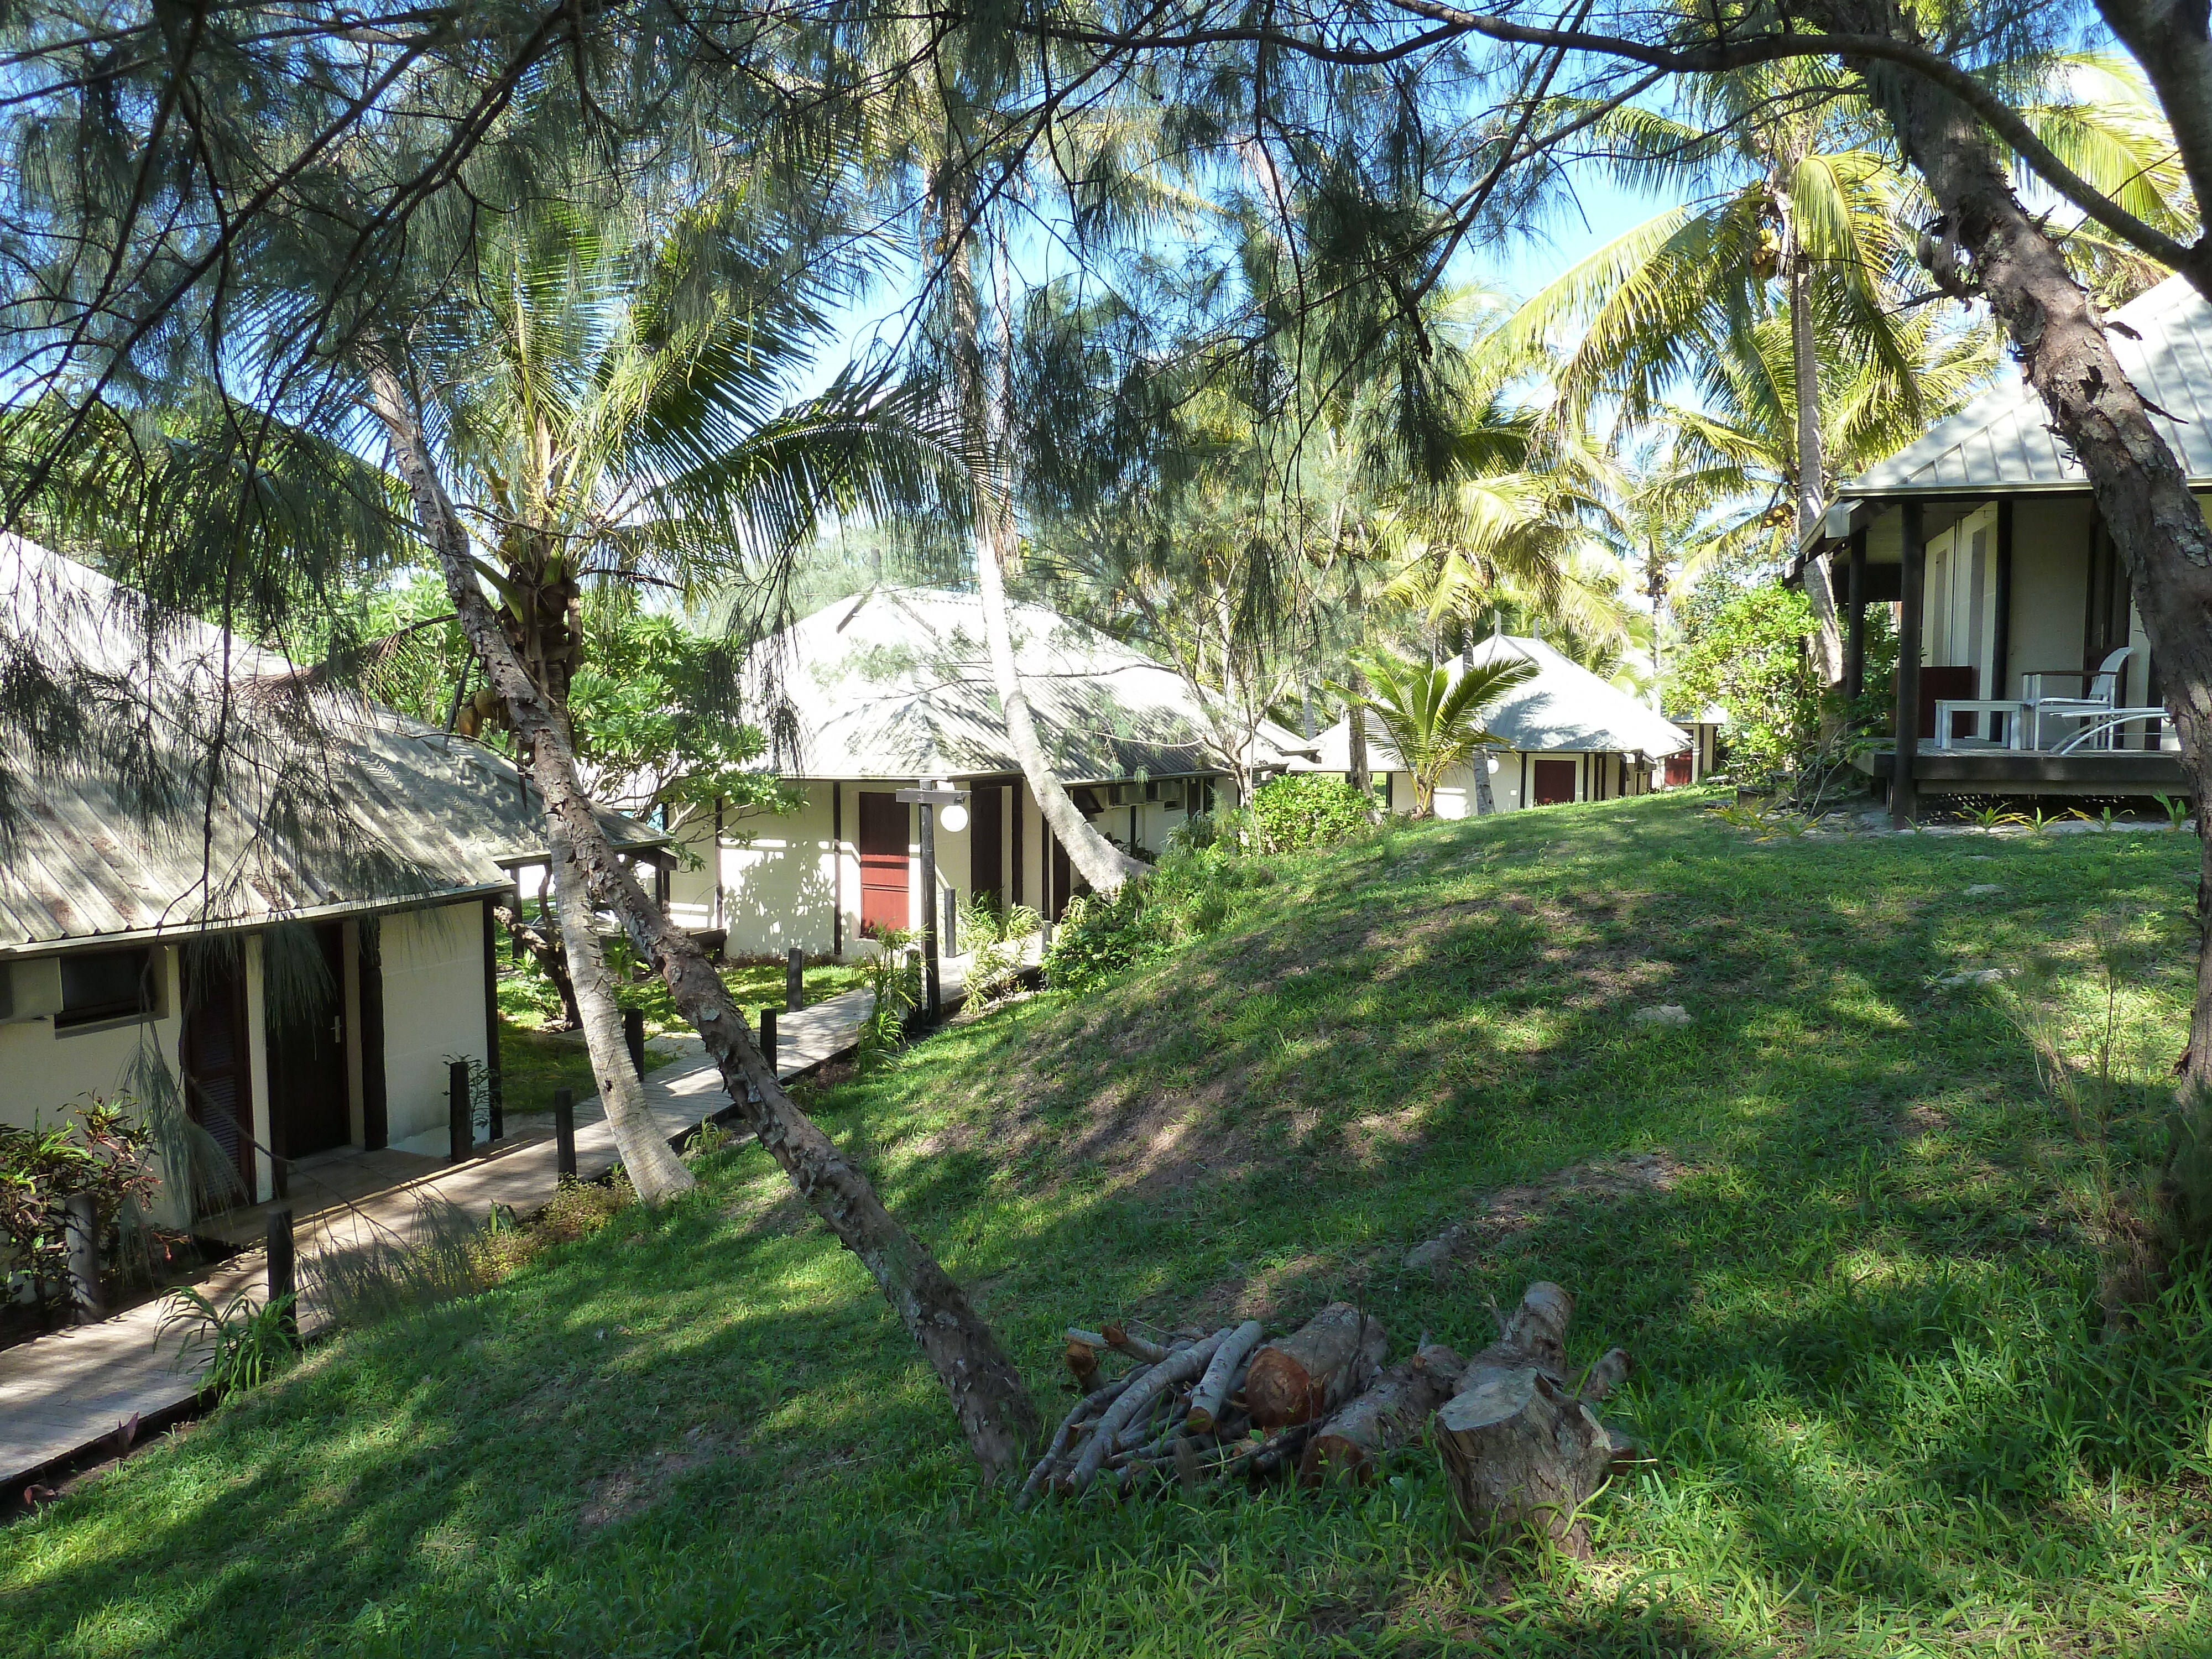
[(1678, 770), (1554, 781), (308, 1106), (986, 843), (218, 1075), (886, 894)]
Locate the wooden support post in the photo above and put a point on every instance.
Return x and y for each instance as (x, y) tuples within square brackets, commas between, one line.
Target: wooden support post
[(1904, 797), (493, 1089), (634, 1039), (2000, 644), (283, 1272), (768, 1037), (81, 1229), (1855, 618), (564, 1133), (794, 981), (933, 993), (460, 1112)]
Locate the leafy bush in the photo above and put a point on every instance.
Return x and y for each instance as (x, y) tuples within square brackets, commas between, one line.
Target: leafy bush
[(1295, 812), (894, 975), (1746, 653), (992, 940), (243, 1345), (1190, 894), (106, 1152)]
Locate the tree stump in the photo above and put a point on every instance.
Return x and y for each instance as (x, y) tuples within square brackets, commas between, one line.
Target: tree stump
[(1522, 1450), (1522, 1456), (1316, 1369)]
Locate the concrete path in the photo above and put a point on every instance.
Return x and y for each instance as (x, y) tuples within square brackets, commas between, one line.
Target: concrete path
[(63, 1393)]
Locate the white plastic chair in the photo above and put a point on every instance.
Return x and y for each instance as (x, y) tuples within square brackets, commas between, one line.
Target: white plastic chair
[(2100, 697)]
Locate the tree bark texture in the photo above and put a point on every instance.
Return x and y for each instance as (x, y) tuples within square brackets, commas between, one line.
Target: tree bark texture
[(1316, 1368), (2141, 491), (1222, 1374), (552, 961), (1103, 864), (996, 1413), (1352, 1443), (654, 1168), (1812, 460)]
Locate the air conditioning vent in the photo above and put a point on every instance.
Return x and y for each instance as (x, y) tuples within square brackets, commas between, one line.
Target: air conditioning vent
[(30, 990)]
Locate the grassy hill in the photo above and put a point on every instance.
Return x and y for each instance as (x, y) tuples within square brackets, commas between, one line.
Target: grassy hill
[(1848, 1234)]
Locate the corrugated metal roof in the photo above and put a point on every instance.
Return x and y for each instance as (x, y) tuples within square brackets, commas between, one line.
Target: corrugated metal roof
[(2002, 440), (898, 685), (1563, 708), (321, 802)]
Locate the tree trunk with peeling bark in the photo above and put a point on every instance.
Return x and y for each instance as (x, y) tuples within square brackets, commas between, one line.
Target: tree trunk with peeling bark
[(2141, 493), (654, 1168), (545, 951), (1103, 866), (996, 1414), (1812, 460)]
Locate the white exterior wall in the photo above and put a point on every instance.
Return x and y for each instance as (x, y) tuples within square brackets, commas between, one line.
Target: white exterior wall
[(433, 1009), (43, 1071), (789, 880)]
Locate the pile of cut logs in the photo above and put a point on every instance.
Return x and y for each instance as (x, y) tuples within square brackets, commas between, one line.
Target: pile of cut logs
[(1520, 1443)]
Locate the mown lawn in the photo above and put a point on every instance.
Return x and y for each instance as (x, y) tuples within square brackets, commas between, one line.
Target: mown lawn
[(1860, 1284)]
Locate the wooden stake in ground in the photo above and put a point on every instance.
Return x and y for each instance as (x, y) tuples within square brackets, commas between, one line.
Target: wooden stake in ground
[(1523, 1451), (1392, 1414), (1316, 1368)]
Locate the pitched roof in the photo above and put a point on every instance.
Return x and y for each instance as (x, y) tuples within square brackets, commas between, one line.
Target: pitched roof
[(320, 803), (1562, 707), (898, 685), (2002, 440)]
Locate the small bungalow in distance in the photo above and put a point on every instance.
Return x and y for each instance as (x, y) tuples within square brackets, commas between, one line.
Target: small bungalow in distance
[(2023, 668), (1568, 736), (300, 959), (882, 691)]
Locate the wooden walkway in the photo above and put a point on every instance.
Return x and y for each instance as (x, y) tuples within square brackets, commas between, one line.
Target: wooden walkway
[(64, 1393)]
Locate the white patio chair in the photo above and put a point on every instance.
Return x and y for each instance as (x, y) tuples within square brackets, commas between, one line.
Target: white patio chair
[(2099, 696)]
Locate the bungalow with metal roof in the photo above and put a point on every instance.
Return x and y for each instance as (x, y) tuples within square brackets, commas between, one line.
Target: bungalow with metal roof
[(276, 897), (2023, 668), (893, 688), (1567, 736)]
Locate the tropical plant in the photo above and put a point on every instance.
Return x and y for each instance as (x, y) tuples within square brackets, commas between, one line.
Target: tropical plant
[(1434, 716), (240, 1345), (104, 1148), (1742, 651), (892, 977), (1298, 811), (992, 939)]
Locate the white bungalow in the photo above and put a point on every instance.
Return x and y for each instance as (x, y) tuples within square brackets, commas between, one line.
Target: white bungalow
[(2024, 667), (1568, 736), (882, 692), (304, 953)]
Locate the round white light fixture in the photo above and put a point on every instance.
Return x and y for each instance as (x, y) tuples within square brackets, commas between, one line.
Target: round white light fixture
[(954, 818)]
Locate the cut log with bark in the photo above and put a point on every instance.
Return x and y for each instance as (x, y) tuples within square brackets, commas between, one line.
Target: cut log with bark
[(1136, 1347), (1361, 1433), (1316, 1368), (1083, 1363), (1224, 1373), (1522, 1451)]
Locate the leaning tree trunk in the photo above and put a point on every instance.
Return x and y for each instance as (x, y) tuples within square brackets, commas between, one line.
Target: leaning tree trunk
[(1102, 866), (544, 948), (1811, 461), (1363, 776), (654, 1169), (1484, 802), (996, 1414), (2140, 490)]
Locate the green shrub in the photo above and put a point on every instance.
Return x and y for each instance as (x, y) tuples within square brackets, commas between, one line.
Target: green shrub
[(107, 1151), (1100, 938), (1294, 813)]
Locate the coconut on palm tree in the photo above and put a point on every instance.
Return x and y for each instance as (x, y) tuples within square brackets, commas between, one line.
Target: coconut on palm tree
[(1433, 717)]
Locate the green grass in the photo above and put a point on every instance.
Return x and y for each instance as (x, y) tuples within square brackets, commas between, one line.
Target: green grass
[(1865, 1314), (532, 1065), (527, 999)]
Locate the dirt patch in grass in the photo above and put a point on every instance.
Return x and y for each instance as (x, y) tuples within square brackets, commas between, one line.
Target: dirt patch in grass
[(1511, 1210), (637, 1486)]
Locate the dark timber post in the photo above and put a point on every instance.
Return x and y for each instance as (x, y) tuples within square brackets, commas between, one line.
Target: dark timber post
[(768, 1037), (1855, 618), (460, 1115), (932, 994), (634, 1039), (564, 1133), (2000, 647), (837, 870), (497, 1126), (81, 1228), (794, 981), (375, 1098), (1903, 796), (283, 1272)]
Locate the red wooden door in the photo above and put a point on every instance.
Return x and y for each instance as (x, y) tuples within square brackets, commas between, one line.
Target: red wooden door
[(1678, 770), (1553, 782), (886, 898)]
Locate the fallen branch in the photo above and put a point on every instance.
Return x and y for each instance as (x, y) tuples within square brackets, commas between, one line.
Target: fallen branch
[(1145, 1388), (1221, 1377)]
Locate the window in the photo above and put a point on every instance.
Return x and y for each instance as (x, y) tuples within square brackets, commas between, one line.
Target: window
[(98, 985)]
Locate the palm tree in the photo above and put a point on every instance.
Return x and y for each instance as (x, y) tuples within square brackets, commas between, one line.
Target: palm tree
[(610, 417), (1801, 261), (1434, 719)]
